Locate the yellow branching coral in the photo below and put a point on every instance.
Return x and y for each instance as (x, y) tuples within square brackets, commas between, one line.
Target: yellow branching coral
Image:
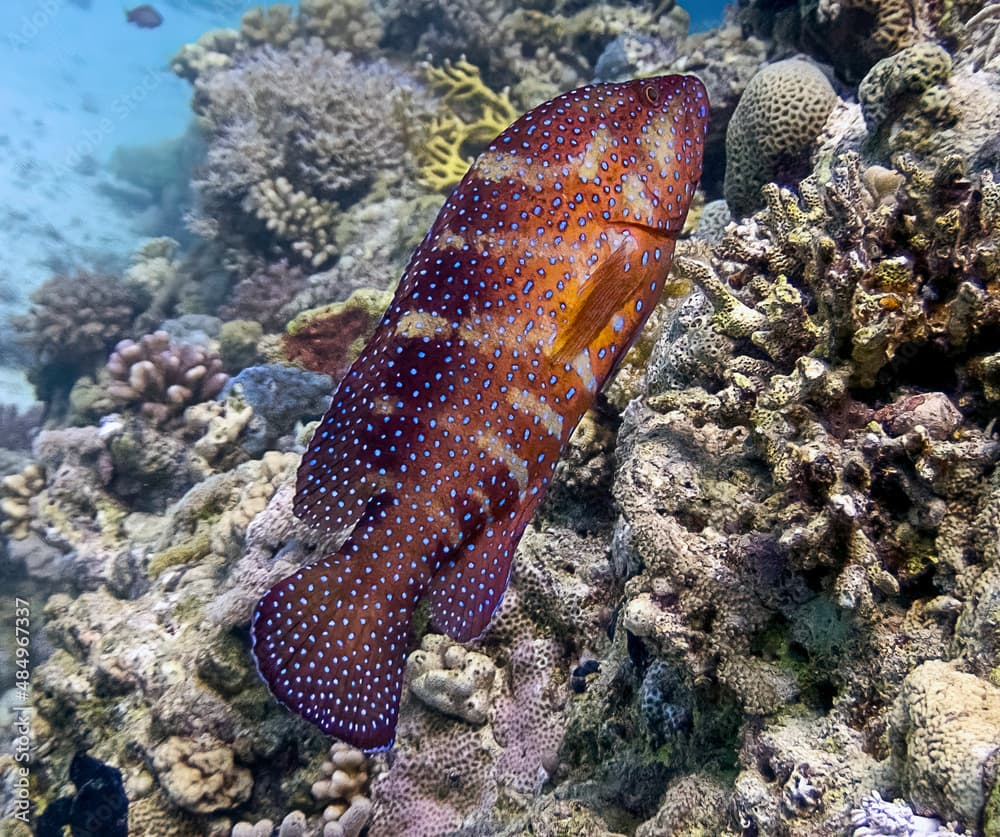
[(474, 114)]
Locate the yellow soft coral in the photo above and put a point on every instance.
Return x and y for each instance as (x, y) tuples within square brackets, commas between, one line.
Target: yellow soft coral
[(474, 115)]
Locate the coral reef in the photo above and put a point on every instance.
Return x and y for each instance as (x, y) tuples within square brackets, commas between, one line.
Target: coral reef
[(18, 426), (261, 296), (71, 326), (278, 396), (294, 134), (763, 594)]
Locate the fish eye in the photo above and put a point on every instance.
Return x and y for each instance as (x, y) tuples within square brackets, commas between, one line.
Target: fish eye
[(651, 93)]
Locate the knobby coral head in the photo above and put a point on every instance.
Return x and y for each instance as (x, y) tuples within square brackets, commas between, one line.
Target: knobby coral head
[(532, 283)]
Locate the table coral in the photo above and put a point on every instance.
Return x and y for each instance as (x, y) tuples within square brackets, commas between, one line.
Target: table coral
[(161, 376), (773, 128)]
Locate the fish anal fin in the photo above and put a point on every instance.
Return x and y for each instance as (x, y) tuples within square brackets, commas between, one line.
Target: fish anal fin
[(470, 587)]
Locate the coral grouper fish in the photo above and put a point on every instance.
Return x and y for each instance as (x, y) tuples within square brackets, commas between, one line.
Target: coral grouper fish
[(533, 282)]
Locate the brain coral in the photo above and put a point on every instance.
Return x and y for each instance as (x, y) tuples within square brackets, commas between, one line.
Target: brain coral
[(944, 737), (780, 114)]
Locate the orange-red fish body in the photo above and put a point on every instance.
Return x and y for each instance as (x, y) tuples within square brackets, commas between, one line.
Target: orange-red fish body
[(533, 281)]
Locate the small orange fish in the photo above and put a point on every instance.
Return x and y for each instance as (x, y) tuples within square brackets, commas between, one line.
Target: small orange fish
[(144, 16), (531, 285)]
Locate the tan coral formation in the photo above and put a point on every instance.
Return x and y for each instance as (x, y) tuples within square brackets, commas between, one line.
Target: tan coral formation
[(162, 376), (450, 679), (200, 775), (944, 738), (16, 491), (301, 220)]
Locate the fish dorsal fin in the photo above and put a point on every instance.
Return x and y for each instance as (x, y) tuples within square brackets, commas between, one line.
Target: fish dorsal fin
[(338, 474), (613, 287)]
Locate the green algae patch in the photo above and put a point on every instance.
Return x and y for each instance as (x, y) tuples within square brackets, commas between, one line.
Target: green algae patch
[(195, 548)]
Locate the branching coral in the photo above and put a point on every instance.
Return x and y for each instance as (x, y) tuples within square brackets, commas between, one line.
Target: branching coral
[(448, 678), (161, 376), (476, 115), (352, 25), (294, 133), (72, 324), (298, 220)]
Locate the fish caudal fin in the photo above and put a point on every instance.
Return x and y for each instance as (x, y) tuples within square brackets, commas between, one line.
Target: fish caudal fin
[(331, 642)]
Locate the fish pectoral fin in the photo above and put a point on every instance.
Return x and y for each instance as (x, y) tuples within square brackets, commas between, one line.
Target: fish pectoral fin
[(615, 285), (331, 641)]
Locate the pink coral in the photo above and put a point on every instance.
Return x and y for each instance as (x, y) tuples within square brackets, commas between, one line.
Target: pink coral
[(164, 376)]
